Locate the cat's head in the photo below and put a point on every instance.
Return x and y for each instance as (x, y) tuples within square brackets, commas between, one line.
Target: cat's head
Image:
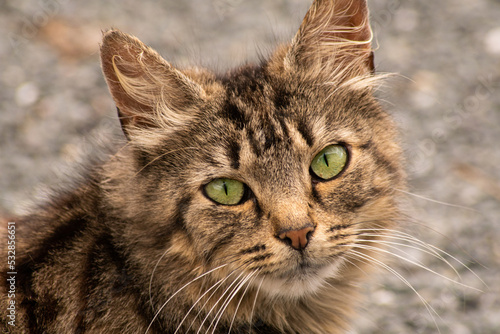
[(282, 170)]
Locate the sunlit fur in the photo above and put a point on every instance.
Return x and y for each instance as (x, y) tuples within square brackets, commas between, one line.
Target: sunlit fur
[(137, 247)]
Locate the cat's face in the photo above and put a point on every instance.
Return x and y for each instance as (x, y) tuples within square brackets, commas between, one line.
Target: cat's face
[(278, 171), (270, 150)]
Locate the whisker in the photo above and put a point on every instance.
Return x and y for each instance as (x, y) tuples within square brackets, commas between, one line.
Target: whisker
[(425, 250), (230, 298), (157, 264), (253, 306), (436, 201), (345, 258), (216, 285), (231, 290), (422, 224), (161, 156), (217, 302), (178, 291), (256, 272), (416, 244), (152, 276), (395, 234), (416, 263), (371, 260), (212, 294)]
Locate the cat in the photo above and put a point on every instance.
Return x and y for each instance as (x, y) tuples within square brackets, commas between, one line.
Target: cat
[(252, 201)]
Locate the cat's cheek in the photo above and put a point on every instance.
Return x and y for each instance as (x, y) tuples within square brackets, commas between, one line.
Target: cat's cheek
[(215, 229), (325, 194), (344, 196)]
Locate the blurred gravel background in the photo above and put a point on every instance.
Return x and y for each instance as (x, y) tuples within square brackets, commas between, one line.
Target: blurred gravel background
[(446, 100)]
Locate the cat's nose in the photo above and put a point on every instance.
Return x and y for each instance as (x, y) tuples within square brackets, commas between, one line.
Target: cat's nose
[(297, 239)]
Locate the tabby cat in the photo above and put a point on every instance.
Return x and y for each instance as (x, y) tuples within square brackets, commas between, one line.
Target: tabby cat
[(243, 202)]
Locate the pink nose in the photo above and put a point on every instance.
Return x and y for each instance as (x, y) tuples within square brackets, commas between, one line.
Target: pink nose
[(298, 239)]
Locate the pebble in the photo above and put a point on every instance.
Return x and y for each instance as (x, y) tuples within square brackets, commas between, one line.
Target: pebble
[(492, 41), (27, 94)]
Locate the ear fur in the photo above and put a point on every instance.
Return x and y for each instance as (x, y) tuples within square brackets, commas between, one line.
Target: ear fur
[(147, 90), (333, 39)]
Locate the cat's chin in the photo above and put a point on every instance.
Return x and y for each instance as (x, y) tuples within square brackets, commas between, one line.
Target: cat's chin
[(299, 282)]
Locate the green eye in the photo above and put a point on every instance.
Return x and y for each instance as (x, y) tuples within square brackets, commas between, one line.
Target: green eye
[(225, 191), (329, 162)]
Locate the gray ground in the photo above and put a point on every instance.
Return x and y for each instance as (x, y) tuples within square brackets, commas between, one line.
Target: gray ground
[(447, 102)]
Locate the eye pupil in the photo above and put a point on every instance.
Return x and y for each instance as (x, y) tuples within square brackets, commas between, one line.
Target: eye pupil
[(326, 159), (225, 188)]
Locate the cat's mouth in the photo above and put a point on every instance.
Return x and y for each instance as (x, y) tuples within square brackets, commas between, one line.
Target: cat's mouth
[(300, 280)]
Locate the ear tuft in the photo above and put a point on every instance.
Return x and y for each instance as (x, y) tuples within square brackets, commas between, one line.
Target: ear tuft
[(333, 39), (147, 90)]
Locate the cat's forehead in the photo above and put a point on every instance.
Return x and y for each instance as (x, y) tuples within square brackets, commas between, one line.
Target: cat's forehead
[(261, 124), (253, 134), (273, 112)]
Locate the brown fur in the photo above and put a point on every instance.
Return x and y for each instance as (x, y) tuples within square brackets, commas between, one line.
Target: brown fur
[(136, 246)]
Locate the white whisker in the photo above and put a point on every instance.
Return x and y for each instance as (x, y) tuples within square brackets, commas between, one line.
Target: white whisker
[(161, 156), (416, 263), (414, 244), (230, 290), (435, 251), (436, 201), (216, 285), (217, 302), (230, 298), (211, 295), (424, 225), (253, 306), (178, 291), (372, 260), (152, 275), (428, 251), (241, 298)]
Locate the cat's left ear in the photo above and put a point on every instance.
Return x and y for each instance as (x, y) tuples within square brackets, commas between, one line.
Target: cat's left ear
[(334, 36), (149, 92)]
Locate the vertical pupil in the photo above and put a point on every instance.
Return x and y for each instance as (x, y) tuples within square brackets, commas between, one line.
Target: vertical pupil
[(326, 160), (225, 188)]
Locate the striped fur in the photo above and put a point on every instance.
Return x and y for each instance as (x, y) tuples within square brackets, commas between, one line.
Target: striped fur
[(136, 247)]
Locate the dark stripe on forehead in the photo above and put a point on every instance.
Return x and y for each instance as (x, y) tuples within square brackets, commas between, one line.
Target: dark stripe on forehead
[(281, 99), (272, 137), (267, 133), (284, 128), (233, 152), (254, 143), (306, 132), (231, 112)]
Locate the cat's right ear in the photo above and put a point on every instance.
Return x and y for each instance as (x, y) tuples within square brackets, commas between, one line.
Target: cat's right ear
[(334, 39), (147, 90)]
